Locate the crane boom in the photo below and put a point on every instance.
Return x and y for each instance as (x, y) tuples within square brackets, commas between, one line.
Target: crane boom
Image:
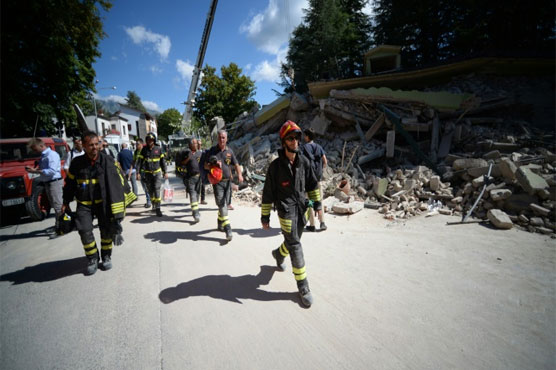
[(186, 121)]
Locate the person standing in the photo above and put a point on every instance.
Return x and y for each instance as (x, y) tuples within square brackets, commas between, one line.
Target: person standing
[(105, 148), (288, 179), (139, 146), (315, 153), (97, 185), (188, 165), (49, 168), (224, 157), (125, 158), (75, 152), (151, 163)]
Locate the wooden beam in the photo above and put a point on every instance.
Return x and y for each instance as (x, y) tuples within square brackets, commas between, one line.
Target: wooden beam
[(375, 127)]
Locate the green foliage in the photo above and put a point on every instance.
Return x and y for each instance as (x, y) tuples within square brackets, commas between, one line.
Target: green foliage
[(134, 101), (329, 44), (439, 30), (227, 96), (48, 48), (169, 122)]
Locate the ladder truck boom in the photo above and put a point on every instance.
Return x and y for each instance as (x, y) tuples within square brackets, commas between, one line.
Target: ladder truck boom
[(186, 121)]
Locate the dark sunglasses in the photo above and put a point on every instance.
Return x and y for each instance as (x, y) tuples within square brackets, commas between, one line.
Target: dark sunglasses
[(292, 138)]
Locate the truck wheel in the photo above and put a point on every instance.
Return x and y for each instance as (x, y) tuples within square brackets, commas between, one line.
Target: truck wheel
[(38, 206)]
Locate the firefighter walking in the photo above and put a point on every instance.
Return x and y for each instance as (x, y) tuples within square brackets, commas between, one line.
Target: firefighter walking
[(187, 166), (151, 162), (97, 185), (222, 157), (288, 179)]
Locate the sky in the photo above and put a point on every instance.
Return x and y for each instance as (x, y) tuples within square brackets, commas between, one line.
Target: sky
[(151, 46)]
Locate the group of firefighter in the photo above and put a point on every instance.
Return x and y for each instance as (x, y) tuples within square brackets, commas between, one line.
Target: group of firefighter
[(100, 189)]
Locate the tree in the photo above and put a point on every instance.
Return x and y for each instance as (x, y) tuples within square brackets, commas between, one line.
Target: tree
[(330, 42), (227, 96), (134, 101), (48, 48), (169, 122), (437, 30)]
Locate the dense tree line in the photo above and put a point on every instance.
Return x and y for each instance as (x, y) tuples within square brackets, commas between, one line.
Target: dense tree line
[(335, 34), (48, 48)]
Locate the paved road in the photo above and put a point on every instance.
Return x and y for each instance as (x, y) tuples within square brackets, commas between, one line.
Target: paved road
[(411, 295)]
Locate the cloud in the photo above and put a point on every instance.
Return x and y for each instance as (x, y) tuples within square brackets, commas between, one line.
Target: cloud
[(270, 70), (160, 43), (248, 67), (116, 98), (156, 70), (185, 69), (150, 105), (270, 29)]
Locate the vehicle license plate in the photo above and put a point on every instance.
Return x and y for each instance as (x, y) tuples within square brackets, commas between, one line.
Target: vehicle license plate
[(13, 202)]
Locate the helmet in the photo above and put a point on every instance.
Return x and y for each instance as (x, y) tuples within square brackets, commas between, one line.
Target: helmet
[(215, 174), (287, 127), (65, 224), (150, 135)]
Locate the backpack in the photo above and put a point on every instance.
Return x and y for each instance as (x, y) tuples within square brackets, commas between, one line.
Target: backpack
[(316, 164)]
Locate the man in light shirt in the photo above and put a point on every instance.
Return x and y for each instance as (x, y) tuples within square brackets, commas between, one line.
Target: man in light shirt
[(75, 152)]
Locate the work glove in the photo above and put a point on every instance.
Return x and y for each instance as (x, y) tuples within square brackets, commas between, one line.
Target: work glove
[(309, 203)]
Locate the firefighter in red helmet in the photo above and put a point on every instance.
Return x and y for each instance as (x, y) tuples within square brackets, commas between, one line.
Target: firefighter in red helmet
[(288, 179)]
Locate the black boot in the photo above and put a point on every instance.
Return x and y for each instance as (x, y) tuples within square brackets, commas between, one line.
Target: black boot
[(228, 231), (106, 262), (158, 212), (279, 259), (305, 293), (92, 266), (196, 216)]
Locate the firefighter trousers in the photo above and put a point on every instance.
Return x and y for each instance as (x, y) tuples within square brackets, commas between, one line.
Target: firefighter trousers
[(84, 215), (221, 191), (193, 187), (154, 182), (292, 228)]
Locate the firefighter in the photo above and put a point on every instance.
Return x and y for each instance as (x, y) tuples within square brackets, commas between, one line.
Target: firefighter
[(151, 162), (224, 157), (187, 165), (288, 179), (99, 189)]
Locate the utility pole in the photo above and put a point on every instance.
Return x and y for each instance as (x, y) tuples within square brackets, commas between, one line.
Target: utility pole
[(190, 102)]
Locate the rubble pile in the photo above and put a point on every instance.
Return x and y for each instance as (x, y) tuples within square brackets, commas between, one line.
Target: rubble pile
[(434, 159)]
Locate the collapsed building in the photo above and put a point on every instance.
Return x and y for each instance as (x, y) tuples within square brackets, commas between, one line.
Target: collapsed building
[(473, 138)]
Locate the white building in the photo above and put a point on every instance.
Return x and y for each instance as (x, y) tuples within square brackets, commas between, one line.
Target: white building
[(114, 129), (138, 123)]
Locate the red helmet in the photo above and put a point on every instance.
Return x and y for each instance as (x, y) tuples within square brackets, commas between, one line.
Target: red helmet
[(287, 127), (215, 174)]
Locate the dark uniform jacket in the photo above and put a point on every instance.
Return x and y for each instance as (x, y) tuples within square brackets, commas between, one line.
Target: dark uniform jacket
[(226, 157), (97, 182), (151, 161), (188, 163), (286, 184)]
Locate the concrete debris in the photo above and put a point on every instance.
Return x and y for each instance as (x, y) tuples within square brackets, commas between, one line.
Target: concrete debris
[(383, 170)]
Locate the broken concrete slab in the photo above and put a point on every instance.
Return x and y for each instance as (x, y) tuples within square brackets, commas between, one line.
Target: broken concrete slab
[(481, 171), (519, 202), (465, 163), (530, 181), (320, 124), (298, 103), (500, 194), (507, 168), (499, 219), (539, 210), (348, 208)]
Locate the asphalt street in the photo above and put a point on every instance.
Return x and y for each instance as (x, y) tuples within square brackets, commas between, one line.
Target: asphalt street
[(388, 295)]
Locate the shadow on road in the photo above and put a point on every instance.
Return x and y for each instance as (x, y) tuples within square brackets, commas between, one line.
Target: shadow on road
[(32, 234), (47, 271), (228, 288), (170, 237), (259, 232)]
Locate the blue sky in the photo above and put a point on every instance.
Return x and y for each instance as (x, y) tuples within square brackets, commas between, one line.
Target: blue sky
[(151, 47)]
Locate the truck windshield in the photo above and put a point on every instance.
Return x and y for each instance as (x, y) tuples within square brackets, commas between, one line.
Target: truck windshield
[(17, 152)]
